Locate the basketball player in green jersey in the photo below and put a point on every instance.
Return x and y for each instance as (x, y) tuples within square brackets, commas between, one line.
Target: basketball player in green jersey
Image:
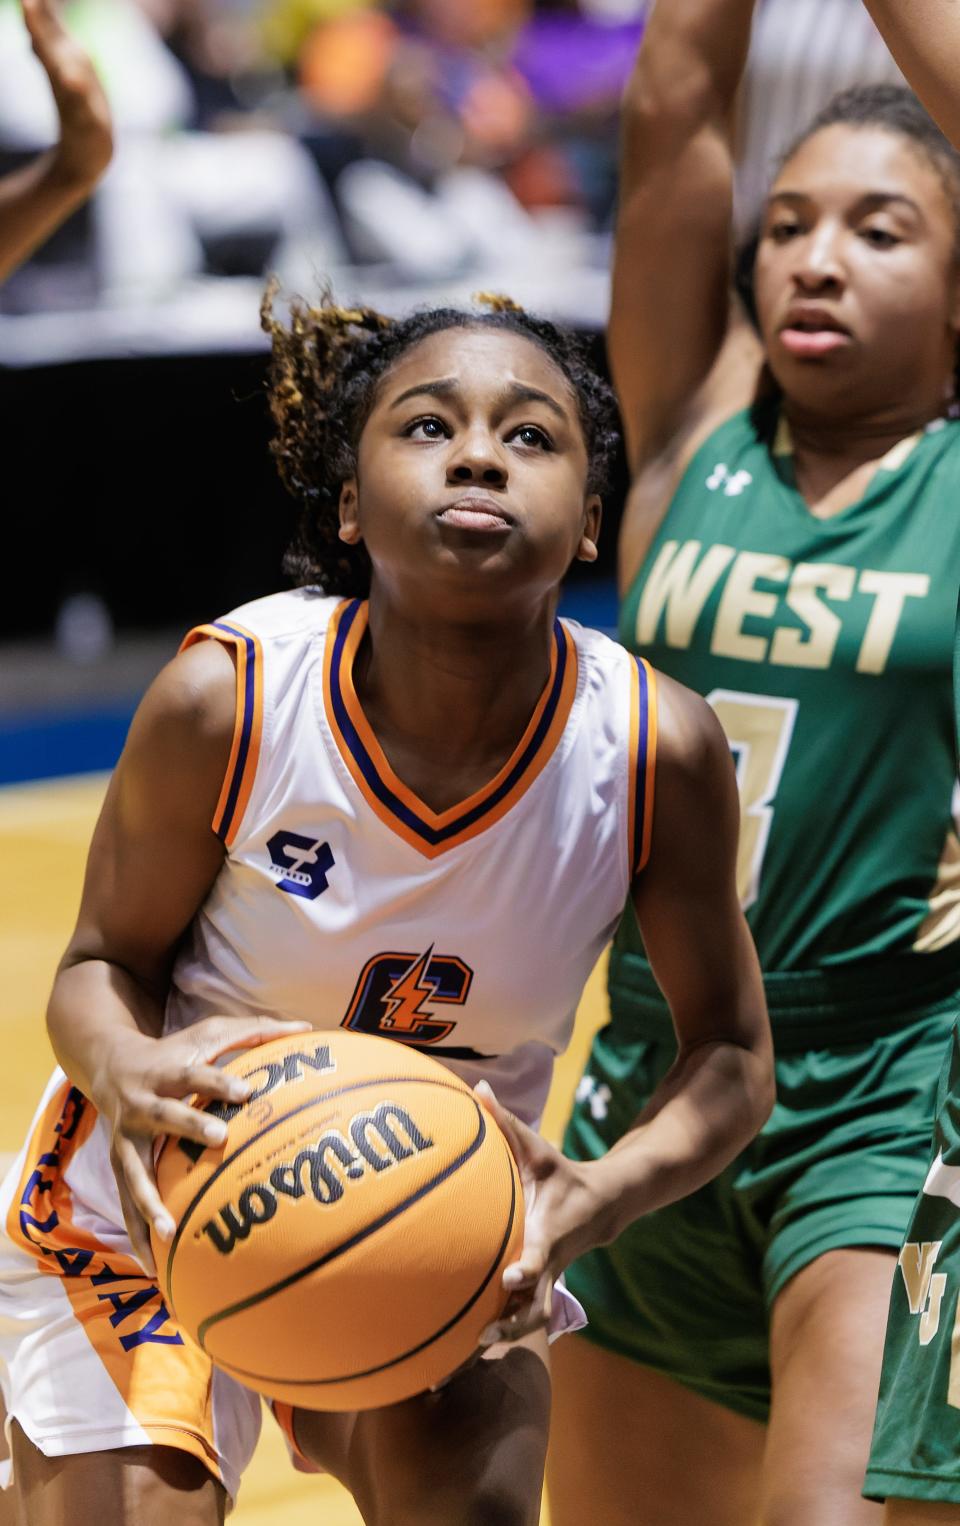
[(915, 1458), (36, 199), (791, 549)]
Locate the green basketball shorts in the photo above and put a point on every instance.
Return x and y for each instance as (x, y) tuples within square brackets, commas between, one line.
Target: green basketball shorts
[(916, 1441), (688, 1290)]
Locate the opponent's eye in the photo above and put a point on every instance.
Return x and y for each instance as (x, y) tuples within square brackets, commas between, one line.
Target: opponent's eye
[(427, 428), (783, 230), (533, 435), (879, 238)]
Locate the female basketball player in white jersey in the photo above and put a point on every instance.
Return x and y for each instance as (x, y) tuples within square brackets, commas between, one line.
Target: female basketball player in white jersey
[(791, 549), (455, 774), (36, 199)]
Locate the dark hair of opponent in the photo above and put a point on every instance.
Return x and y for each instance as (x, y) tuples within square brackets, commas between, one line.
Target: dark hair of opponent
[(324, 373)]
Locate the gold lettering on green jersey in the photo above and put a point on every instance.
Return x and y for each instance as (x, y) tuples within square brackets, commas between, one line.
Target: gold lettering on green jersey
[(740, 599), (925, 1288), (674, 585), (793, 648), (891, 591), (916, 1265)]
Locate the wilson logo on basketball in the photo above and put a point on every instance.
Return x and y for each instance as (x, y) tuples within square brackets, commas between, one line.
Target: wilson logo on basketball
[(274, 1074), (377, 1140)]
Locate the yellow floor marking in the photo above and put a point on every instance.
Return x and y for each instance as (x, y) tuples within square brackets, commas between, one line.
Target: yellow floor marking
[(44, 832)]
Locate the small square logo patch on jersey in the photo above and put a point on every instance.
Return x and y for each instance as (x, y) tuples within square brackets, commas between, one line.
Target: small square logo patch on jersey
[(301, 864)]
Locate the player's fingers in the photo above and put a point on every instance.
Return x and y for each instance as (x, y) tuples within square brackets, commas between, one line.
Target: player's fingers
[(217, 1035), (195, 1078), (530, 1314), (529, 1267), (152, 1114), (521, 1139), (139, 1199)]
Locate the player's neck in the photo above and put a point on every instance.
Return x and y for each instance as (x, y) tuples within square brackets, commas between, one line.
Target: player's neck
[(448, 702), (850, 441)]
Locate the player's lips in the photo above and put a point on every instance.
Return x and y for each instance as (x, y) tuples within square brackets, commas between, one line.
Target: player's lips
[(476, 511), (810, 331)]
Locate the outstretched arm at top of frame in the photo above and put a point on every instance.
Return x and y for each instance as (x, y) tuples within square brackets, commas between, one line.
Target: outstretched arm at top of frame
[(720, 1089), (671, 301), (152, 862), (35, 200), (924, 38)]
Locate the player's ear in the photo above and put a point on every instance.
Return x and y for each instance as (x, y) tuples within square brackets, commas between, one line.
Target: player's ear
[(349, 524), (592, 513)]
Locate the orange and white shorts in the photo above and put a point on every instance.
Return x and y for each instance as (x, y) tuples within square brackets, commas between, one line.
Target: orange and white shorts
[(90, 1356)]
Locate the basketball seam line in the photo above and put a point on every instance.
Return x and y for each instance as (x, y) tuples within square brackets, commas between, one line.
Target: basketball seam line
[(339, 1091), (414, 1350), (355, 1239)]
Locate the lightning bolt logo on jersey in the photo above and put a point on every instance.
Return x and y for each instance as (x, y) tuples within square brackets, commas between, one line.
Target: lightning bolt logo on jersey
[(395, 992), (346, 900)]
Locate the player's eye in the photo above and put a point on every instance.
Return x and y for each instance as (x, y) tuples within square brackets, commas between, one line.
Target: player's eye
[(534, 436), (427, 428), (879, 238), (783, 230)]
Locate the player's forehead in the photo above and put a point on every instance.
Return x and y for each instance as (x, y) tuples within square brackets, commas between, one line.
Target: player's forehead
[(846, 162), (479, 363)]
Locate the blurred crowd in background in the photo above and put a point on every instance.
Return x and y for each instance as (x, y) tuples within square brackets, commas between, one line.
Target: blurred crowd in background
[(426, 139)]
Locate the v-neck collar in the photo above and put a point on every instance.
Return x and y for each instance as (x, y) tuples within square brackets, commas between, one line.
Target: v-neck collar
[(431, 832)]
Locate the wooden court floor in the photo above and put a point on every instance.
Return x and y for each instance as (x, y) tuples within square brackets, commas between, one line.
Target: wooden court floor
[(44, 832)]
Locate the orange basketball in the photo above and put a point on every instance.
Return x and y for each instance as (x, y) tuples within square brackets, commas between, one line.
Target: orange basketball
[(344, 1248)]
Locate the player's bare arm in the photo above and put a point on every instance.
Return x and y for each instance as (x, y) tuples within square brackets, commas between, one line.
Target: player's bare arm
[(673, 260), (35, 200), (152, 861), (924, 38), (720, 1090)]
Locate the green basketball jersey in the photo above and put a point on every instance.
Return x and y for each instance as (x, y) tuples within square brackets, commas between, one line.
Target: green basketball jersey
[(825, 647)]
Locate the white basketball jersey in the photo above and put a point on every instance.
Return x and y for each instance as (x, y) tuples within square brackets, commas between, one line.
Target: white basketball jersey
[(343, 899)]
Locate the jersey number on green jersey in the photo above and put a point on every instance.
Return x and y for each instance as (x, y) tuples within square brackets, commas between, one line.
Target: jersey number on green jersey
[(759, 728)]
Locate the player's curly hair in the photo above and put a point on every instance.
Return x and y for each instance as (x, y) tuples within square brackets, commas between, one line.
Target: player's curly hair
[(326, 366)]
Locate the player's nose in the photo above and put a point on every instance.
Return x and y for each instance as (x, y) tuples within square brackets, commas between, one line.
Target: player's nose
[(477, 457)]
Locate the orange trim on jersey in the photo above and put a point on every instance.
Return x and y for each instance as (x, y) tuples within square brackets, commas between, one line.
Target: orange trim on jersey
[(248, 722), (642, 762), (431, 832)]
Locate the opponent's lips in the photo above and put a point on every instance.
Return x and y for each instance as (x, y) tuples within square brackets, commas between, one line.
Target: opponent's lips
[(806, 318), (476, 511)]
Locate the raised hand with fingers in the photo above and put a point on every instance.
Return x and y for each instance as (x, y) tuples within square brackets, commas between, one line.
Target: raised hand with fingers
[(86, 133), (36, 199)]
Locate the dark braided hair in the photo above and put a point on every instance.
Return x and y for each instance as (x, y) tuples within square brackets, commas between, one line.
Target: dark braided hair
[(324, 373)]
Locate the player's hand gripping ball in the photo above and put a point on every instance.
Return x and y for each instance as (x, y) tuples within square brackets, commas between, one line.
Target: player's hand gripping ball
[(344, 1247)]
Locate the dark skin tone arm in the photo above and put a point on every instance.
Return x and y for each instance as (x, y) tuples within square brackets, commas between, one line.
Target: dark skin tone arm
[(152, 862), (924, 38), (683, 356), (36, 199), (720, 1089)]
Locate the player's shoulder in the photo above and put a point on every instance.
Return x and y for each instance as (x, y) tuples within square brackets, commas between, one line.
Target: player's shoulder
[(292, 612), (691, 743)]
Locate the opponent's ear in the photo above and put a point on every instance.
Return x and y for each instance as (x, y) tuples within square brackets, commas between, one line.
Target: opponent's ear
[(592, 514), (349, 523)]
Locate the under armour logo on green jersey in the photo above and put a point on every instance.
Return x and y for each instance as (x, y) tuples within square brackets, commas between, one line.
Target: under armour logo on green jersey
[(597, 1098), (733, 483), (925, 1288)]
